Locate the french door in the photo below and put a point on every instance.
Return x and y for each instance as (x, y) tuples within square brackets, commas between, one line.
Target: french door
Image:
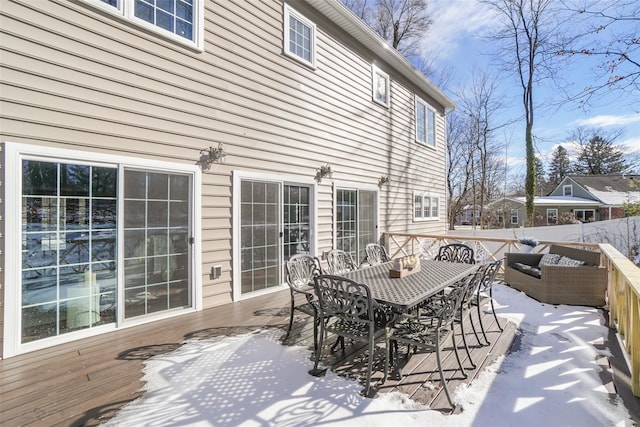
[(356, 221), (274, 224), (100, 244)]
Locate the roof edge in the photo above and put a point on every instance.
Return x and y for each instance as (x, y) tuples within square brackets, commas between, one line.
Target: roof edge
[(341, 15)]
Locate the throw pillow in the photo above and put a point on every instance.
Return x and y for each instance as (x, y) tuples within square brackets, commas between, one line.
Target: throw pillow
[(549, 259), (570, 262)]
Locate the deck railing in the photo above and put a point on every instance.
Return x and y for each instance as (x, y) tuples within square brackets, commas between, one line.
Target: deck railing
[(623, 288)]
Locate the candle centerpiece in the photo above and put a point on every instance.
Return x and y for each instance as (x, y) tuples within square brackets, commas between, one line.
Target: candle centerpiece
[(404, 266)]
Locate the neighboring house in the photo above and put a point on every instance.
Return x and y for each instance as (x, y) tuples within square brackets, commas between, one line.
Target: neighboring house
[(163, 159), (610, 192), (585, 198)]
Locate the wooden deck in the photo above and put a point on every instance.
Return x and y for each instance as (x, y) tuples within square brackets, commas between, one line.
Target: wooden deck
[(85, 382)]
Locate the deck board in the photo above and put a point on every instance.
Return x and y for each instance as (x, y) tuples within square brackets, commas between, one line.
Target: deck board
[(86, 381)]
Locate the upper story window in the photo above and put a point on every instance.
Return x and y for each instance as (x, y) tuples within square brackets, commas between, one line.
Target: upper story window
[(180, 20), (567, 190), (299, 37), (425, 123), (380, 86), (426, 206)]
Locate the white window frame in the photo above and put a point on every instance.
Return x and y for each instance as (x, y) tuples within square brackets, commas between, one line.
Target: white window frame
[(431, 198), (14, 153), (429, 123), (550, 210), (238, 176), (584, 214), (288, 13), (516, 216), (378, 76), (565, 188), (352, 186), (125, 10)]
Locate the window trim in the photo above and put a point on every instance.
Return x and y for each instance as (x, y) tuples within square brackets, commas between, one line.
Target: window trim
[(357, 187), (556, 215), (236, 247), (431, 198), (291, 12), (516, 216), (14, 153), (125, 12), (429, 131), (377, 75), (584, 214), (565, 187)]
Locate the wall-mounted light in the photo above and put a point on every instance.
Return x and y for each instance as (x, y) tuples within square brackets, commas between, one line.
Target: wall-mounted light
[(323, 171), (211, 155), (384, 179)]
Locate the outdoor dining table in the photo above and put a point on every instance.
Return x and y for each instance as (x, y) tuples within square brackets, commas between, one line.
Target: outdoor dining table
[(404, 293)]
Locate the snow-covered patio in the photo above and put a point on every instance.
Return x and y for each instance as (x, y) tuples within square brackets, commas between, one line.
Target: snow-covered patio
[(555, 375)]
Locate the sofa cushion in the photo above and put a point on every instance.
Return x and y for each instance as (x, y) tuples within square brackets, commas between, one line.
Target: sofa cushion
[(549, 259), (570, 262), (533, 271)]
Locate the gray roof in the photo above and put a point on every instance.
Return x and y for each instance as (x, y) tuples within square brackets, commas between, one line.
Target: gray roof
[(612, 189)]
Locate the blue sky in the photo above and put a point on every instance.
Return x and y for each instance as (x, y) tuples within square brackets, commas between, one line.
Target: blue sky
[(455, 39)]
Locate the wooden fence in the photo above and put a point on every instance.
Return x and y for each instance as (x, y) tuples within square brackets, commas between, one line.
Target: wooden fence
[(623, 288)]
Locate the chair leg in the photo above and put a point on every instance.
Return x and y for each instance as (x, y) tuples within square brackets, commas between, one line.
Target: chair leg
[(473, 327), (484, 334), (290, 317), (455, 351), (315, 371), (367, 388), (493, 309), (442, 378), (464, 341)]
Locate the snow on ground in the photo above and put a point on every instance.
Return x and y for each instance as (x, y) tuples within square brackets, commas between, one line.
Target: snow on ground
[(253, 380)]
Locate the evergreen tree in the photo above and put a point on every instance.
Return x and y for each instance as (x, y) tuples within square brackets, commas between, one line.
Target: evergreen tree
[(560, 165), (600, 157)]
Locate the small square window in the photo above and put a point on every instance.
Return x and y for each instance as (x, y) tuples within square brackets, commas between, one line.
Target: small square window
[(380, 86), (299, 37), (567, 190)]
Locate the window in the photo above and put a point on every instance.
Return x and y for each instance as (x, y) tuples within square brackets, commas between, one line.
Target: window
[(552, 216), (585, 215), (425, 123), (102, 240), (299, 37), (356, 220), (380, 86), (514, 216), (273, 221), (426, 207), (181, 20), (567, 190)]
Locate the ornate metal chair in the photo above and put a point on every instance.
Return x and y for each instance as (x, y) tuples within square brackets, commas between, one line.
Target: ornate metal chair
[(339, 262), (456, 252), (301, 269), (347, 309), (375, 254), (430, 335), (485, 291)]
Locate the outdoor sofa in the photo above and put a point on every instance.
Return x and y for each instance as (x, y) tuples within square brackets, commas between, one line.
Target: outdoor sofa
[(564, 276)]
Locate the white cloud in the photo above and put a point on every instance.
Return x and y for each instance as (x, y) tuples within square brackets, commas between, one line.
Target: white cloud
[(454, 23), (609, 120), (633, 144)]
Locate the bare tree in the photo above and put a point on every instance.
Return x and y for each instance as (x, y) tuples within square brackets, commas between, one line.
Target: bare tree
[(481, 103), (613, 35), (526, 46), (459, 176), (403, 23)]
